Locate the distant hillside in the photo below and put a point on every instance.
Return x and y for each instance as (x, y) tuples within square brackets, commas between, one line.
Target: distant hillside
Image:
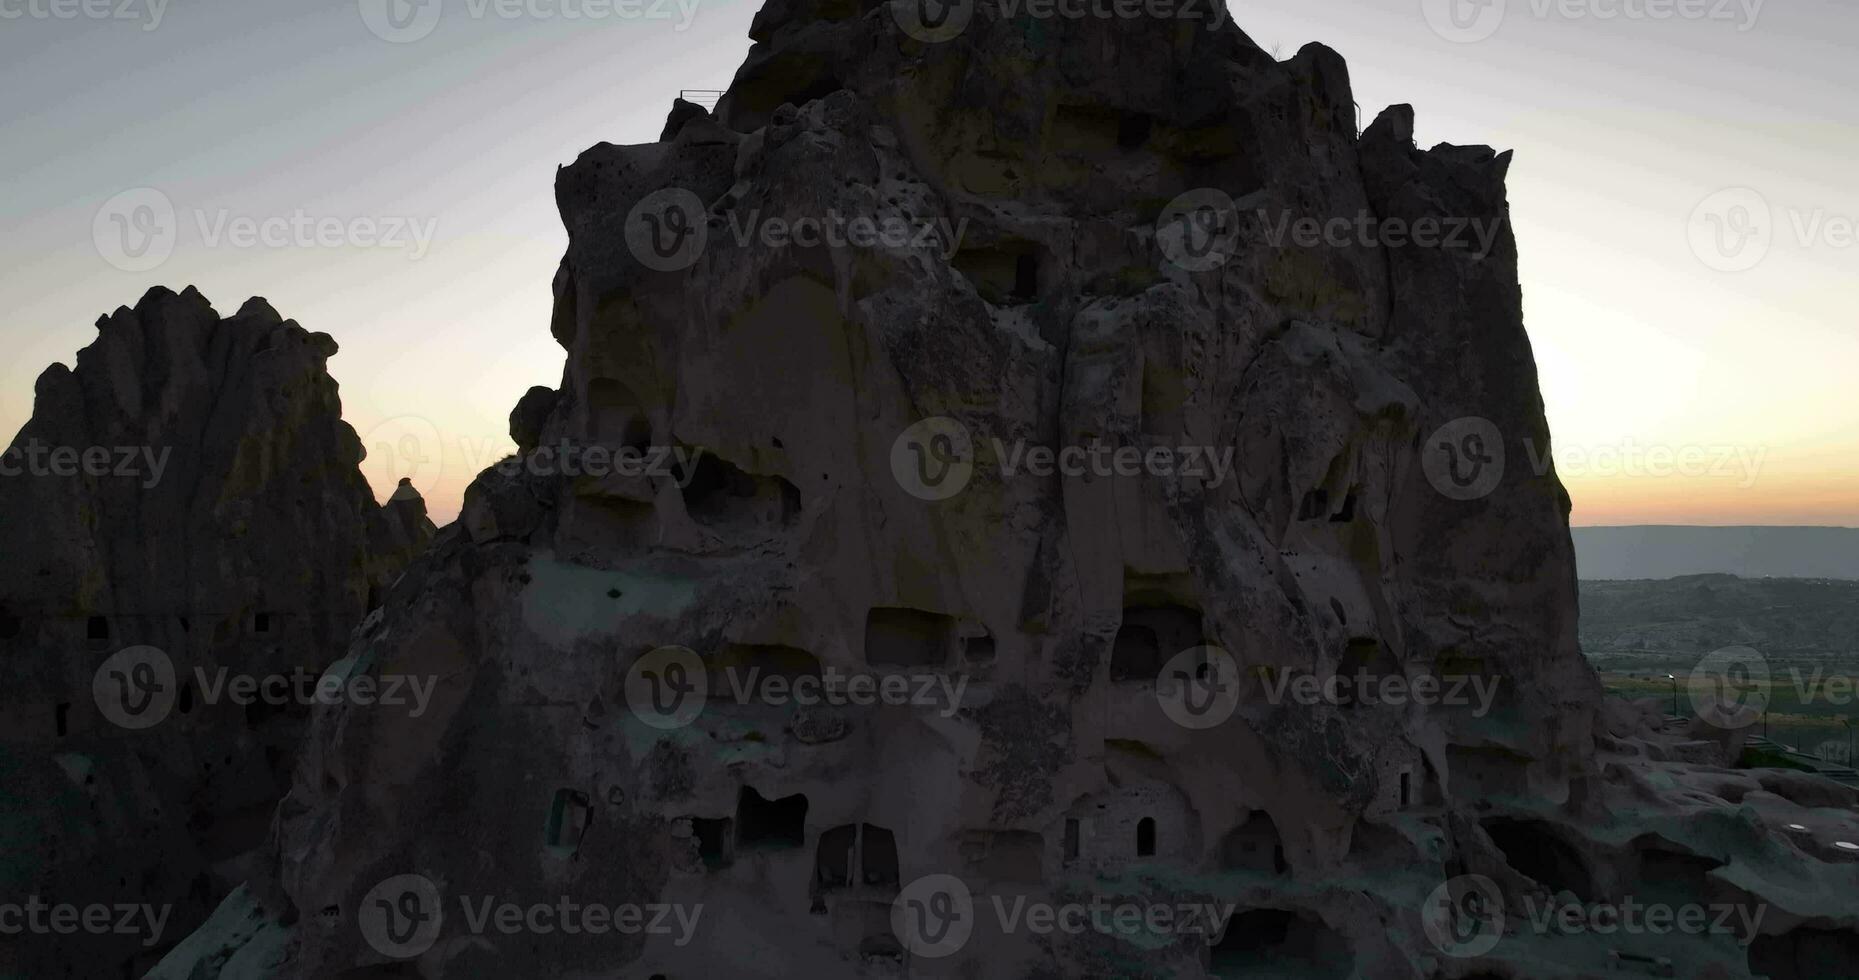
[(1699, 613), (1658, 552)]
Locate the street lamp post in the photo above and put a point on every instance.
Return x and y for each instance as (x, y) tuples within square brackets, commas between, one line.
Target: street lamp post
[(1674, 679)]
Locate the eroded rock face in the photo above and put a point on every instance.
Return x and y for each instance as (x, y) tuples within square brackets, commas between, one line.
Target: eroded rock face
[(184, 508), (831, 470)]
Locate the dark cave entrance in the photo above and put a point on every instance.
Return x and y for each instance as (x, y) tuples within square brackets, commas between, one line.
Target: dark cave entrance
[(764, 823), (855, 855), (569, 815), (904, 637), (1149, 637), (1533, 850), (713, 841), (1278, 942), (1254, 846), (1804, 954)]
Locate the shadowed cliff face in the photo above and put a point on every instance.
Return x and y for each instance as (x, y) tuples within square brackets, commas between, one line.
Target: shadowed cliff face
[(968, 483), (184, 508)]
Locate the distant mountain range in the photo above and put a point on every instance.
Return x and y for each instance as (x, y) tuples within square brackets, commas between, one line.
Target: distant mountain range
[(1668, 551)]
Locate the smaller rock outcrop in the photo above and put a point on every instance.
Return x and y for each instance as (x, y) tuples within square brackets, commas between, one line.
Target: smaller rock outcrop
[(189, 543)]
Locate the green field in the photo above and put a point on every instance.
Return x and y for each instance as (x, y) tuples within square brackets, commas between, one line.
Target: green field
[(1806, 719), (1806, 631)]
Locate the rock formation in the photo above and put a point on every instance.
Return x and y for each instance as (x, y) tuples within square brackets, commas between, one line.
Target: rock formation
[(835, 436), (184, 506)]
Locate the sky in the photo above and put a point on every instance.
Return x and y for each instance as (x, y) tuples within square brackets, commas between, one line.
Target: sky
[(1681, 195)]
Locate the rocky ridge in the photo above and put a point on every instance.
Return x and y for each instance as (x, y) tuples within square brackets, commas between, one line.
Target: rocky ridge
[(185, 506), (1088, 261)]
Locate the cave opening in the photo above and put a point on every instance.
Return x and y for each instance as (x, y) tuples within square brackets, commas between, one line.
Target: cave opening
[(1279, 942), (569, 816), (1149, 637), (1255, 845), (1534, 851), (906, 637), (713, 841), (780, 823)]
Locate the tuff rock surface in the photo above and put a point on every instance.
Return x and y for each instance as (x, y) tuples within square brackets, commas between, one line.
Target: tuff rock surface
[(226, 525), (814, 389)]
